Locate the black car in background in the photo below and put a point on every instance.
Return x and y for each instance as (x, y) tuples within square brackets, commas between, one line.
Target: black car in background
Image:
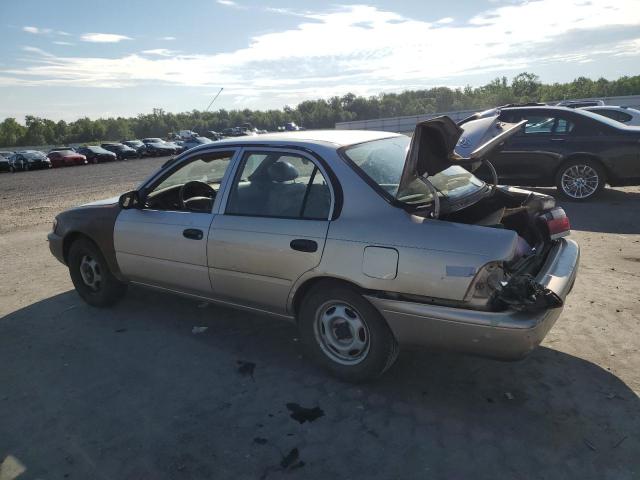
[(122, 151), (28, 160), (96, 154), (138, 145), (4, 161), (572, 149), (158, 147), (194, 142)]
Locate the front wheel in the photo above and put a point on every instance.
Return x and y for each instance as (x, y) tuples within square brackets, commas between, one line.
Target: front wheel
[(580, 179), (91, 276), (345, 333)]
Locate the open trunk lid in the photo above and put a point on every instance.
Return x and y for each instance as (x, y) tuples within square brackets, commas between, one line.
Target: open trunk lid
[(439, 143)]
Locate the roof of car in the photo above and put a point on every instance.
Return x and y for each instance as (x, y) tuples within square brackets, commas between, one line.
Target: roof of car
[(338, 138)]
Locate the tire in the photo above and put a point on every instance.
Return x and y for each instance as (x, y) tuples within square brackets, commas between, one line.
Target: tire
[(588, 179), (99, 288), (342, 307)]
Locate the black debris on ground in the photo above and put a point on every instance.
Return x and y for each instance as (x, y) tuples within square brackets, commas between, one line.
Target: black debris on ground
[(246, 368), (301, 414)]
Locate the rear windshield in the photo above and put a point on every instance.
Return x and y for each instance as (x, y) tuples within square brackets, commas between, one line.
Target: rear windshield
[(382, 161)]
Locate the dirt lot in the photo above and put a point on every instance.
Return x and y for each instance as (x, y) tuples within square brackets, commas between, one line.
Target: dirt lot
[(132, 393)]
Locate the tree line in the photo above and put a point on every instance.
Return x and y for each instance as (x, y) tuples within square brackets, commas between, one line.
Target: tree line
[(320, 113)]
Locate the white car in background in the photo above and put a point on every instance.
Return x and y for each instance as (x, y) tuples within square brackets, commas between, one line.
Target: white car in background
[(628, 116)]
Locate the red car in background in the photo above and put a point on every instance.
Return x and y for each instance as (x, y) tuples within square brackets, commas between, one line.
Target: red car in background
[(65, 158)]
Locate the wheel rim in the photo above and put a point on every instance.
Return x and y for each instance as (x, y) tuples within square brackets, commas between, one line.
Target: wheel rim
[(91, 273), (579, 181), (342, 333)]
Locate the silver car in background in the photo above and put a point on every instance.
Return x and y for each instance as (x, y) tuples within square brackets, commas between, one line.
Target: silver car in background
[(367, 240)]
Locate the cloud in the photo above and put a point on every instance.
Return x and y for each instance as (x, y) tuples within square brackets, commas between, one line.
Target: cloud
[(38, 51), (103, 37), (44, 31), (36, 30), (163, 52), (365, 49), (167, 38), (228, 3), (58, 42)]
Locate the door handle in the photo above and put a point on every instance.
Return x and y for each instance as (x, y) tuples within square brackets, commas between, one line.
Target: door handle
[(557, 139), (303, 245), (193, 234)]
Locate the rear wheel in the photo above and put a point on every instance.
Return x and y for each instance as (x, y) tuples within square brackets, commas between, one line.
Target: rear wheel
[(580, 179), (91, 276), (345, 333)]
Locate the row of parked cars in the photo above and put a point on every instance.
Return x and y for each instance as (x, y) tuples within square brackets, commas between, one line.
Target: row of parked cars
[(24, 160), (147, 147)]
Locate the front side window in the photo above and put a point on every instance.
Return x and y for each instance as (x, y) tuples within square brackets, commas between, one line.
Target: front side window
[(563, 126), (537, 124), (277, 184), (192, 186)]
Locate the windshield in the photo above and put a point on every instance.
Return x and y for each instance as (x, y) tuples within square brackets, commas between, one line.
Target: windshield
[(600, 118), (153, 140), (66, 152), (202, 140), (383, 161), (97, 150)]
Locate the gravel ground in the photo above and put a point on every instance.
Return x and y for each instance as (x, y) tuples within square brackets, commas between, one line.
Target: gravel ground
[(132, 393), (35, 197)]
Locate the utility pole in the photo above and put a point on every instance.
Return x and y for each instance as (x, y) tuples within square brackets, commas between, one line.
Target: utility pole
[(211, 103)]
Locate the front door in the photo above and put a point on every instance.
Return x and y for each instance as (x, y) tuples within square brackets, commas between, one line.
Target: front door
[(164, 243), (273, 228)]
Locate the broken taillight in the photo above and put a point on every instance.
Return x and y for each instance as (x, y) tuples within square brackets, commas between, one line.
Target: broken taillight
[(557, 223)]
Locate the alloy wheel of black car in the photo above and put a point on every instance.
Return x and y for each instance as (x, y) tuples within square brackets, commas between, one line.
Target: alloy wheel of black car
[(580, 179)]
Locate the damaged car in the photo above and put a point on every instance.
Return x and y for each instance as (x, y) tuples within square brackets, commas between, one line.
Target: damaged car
[(367, 241)]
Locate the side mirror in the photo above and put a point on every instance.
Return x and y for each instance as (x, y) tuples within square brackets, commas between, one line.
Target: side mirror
[(130, 200)]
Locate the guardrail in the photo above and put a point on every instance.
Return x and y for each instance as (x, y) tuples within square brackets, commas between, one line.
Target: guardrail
[(407, 123)]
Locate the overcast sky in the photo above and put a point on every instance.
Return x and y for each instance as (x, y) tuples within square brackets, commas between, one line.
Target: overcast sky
[(71, 58)]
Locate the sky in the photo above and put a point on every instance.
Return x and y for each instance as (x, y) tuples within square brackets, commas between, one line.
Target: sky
[(66, 59)]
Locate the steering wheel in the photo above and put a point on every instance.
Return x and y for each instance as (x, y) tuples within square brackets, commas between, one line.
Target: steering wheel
[(204, 189)]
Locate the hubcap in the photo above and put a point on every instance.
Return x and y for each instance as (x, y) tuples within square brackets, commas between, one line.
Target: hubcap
[(91, 273), (341, 333), (579, 181)]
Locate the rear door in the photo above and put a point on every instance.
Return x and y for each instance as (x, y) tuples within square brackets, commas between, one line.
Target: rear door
[(272, 229)]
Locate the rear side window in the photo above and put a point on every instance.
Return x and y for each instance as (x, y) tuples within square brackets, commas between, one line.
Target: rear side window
[(282, 185)]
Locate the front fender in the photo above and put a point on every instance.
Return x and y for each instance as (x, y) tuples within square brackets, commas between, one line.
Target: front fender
[(94, 221)]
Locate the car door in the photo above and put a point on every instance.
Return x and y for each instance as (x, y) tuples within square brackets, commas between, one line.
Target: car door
[(164, 243), (531, 156), (273, 228)]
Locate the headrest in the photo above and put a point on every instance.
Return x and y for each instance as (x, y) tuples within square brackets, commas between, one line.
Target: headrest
[(282, 171)]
